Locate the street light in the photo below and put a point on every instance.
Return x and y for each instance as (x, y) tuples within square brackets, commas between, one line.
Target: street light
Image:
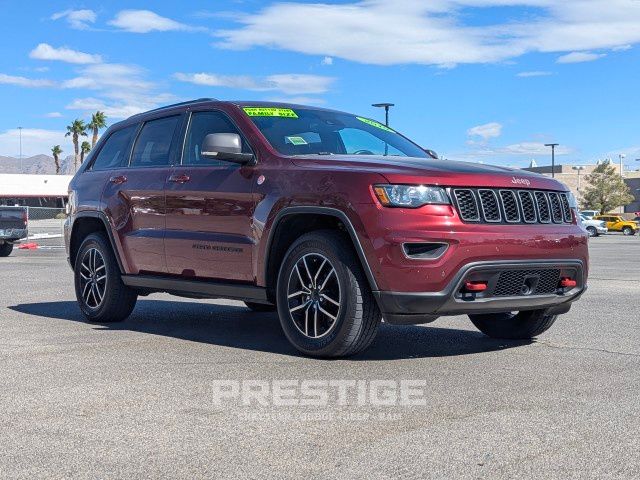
[(20, 133), (578, 168), (386, 110), (553, 157), (622, 156)]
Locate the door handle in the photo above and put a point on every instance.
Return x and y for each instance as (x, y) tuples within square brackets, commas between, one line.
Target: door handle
[(182, 178), (118, 179)]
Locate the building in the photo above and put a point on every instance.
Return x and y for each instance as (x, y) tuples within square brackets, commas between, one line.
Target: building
[(573, 178), (34, 190)]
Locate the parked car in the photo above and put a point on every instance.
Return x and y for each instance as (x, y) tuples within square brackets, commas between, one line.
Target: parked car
[(616, 223), (334, 220), (594, 227), (13, 228), (589, 213)]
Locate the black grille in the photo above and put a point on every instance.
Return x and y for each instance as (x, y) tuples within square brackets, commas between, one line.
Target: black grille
[(513, 283), (490, 206), (511, 206), (467, 205)]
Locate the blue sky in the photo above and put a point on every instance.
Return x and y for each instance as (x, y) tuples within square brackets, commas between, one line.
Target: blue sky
[(484, 80)]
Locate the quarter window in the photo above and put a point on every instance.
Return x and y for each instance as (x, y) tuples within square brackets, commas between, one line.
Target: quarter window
[(154, 142), (114, 151)]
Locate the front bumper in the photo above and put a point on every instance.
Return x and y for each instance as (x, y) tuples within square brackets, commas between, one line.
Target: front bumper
[(424, 307)]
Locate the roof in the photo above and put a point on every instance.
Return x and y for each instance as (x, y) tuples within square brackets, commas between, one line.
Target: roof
[(23, 185)]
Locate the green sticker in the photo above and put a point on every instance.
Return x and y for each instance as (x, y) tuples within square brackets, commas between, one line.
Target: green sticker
[(297, 140), (373, 123), (270, 112)]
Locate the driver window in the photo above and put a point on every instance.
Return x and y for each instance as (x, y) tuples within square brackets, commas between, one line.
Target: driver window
[(202, 124), (356, 140)]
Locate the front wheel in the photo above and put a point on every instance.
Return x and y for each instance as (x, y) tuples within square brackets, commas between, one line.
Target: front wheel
[(514, 326), (592, 231), (100, 292), (628, 231), (5, 249), (325, 305)]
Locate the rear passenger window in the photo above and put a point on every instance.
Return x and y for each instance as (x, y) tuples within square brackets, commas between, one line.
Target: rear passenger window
[(154, 142), (113, 153)]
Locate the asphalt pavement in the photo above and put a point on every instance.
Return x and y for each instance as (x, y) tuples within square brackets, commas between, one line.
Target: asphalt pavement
[(165, 393)]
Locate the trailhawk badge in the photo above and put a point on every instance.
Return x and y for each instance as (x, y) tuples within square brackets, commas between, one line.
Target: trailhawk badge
[(520, 181)]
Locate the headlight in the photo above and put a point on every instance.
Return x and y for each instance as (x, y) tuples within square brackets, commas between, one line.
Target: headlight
[(411, 196)]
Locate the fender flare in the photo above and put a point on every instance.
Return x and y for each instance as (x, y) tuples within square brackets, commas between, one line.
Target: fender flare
[(107, 226)]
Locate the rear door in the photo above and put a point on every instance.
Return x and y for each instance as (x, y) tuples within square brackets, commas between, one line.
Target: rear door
[(210, 208), (135, 195)]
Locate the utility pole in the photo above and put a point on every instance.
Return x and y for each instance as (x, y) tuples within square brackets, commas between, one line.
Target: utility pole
[(386, 107), (578, 168), (622, 156), (20, 133), (553, 157)]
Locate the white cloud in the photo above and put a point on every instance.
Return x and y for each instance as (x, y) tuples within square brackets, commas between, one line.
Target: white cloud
[(53, 115), (24, 81), (412, 31), (536, 73), (44, 51), (145, 21), (300, 100), (289, 83), (108, 76), (486, 131), (622, 48), (579, 57), (327, 61), (78, 19), (34, 141)]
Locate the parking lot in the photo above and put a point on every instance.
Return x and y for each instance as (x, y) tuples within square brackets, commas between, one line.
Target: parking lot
[(137, 398)]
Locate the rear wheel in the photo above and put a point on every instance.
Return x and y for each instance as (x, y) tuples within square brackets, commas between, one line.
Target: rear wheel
[(100, 292), (592, 231), (260, 307), (325, 305), (628, 231), (520, 325), (5, 249)]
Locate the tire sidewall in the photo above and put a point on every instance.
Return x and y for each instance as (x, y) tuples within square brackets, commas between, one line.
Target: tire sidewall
[(97, 242), (348, 284)]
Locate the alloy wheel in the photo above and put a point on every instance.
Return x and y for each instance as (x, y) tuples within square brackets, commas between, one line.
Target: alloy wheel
[(314, 295), (93, 278)]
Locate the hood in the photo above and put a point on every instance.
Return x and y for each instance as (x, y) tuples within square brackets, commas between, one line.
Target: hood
[(433, 172)]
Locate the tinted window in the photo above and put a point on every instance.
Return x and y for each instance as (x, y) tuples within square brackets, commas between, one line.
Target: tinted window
[(154, 142), (202, 124), (112, 154)]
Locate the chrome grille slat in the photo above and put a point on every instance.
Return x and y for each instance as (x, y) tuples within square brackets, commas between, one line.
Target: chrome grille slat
[(512, 206)]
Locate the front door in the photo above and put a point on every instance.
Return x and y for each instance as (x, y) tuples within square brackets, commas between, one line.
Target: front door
[(209, 209)]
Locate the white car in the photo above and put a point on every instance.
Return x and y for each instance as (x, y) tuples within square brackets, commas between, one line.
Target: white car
[(589, 214), (594, 227)]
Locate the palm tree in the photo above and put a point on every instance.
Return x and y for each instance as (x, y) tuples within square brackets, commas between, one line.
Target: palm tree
[(84, 149), (76, 129), (98, 121), (56, 150)]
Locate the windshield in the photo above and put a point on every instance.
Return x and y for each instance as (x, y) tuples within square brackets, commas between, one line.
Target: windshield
[(307, 131)]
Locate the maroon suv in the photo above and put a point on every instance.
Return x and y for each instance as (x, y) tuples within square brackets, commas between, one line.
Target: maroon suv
[(335, 220)]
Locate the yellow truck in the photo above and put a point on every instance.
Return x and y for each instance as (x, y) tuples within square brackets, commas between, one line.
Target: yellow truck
[(616, 223)]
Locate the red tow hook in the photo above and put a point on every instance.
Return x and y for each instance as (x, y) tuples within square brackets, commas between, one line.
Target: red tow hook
[(475, 286), (567, 282)]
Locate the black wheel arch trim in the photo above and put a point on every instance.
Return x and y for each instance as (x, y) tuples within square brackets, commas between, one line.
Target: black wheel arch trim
[(107, 226), (329, 211)]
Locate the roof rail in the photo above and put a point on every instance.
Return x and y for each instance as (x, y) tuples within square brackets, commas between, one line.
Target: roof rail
[(179, 104)]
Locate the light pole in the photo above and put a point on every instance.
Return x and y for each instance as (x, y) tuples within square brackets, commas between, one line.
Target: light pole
[(578, 168), (553, 157), (20, 133), (386, 107), (622, 156)]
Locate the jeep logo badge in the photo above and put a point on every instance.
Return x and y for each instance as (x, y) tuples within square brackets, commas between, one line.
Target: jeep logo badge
[(520, 181)]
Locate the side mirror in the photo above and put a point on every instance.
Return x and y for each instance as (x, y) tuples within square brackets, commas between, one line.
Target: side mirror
[(431, 153), (225, 146)]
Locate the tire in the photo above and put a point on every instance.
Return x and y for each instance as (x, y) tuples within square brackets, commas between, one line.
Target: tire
[(592, 231), (628, 231), (5, 249), (260, 307), (514, 326), (322, 329), (97, 262)]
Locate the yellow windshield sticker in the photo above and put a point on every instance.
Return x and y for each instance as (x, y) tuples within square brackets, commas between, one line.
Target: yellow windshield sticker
[(296, 140), (270, 112), (373, 123)]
